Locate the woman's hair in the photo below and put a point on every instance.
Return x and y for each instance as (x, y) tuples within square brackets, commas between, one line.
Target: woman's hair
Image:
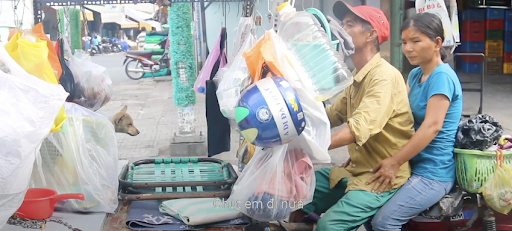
[(428, 24)]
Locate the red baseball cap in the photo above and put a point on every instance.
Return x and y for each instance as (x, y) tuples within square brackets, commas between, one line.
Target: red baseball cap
[(372, 15)]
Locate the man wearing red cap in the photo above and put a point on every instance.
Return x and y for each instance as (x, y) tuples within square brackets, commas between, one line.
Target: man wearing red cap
[(376, 109)]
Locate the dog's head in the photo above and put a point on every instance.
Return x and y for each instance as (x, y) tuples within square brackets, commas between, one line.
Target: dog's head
[(123, 123)]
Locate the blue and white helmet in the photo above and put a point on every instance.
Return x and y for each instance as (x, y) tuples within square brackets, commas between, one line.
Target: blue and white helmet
[(269, 113)]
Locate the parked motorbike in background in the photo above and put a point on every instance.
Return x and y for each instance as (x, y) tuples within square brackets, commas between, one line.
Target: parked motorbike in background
[(115, 46), (95, 50), (139, 62)]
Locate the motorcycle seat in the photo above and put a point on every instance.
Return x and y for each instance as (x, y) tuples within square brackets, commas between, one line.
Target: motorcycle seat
[(140, 52), (450, 205)]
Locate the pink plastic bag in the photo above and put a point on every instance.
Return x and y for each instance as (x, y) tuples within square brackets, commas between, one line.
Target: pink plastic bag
[(217, 52)]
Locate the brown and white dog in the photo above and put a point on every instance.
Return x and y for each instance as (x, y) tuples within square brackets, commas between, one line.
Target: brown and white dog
[(123, 123)]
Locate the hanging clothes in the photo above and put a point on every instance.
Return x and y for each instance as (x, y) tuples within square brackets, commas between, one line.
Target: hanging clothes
[(219, 131)]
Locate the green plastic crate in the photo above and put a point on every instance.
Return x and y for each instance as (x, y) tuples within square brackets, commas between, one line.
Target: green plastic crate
[(494, 35)]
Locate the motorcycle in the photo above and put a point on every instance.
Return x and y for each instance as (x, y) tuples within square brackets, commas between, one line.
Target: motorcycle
[(459, 210), (94, 50), (115, 46), (142, 63)]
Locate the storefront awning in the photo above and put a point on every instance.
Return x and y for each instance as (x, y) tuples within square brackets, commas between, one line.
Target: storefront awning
[(88, 14), (127, 23), (142, 17), (107, 15)]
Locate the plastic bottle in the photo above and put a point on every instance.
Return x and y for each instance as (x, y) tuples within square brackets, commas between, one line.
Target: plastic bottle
[(327, 74)]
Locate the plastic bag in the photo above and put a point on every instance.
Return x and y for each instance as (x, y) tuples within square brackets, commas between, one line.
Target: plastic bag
[(66, 80), (276, 182), (479, 132), (217, 53), (243, 32), (497, 191), (260, 55), (31, 53), (29, 107), (32, 58), (52, 55), (317, 133), (232, 81), (81, 158), (93, 86)]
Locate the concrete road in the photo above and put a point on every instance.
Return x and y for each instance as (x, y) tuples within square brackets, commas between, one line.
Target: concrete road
[(114, 65)]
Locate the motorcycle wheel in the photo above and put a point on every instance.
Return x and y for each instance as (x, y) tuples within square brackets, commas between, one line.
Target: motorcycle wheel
[(134, 75), (92, 53), (116, 49)]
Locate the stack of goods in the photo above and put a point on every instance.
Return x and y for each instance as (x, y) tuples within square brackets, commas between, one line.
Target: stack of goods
[(507, 46), (153, 39), (478, 3), (153, 43), (472, 38), (482, 32), (494, 23)]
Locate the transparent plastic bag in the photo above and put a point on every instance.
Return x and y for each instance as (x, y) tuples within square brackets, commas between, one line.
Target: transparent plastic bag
[(233, 79), (497, 191), (243, 32), (276, 182), (81, 158), (93, 87), (325, 73), (317, 133), (29, 107)]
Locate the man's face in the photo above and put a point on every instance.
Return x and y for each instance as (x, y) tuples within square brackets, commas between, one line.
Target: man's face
[(353, 25)]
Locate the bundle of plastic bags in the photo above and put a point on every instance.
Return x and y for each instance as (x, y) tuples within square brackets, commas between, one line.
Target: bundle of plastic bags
[(93, 86), (29, 107), (279, 180), (81, 158)]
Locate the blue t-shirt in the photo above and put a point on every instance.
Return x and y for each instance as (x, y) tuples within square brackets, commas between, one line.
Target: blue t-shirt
[(95, 41), (436, 161)]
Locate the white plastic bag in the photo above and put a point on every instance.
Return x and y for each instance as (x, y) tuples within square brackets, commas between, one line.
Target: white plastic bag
[(276, 182), (438, 7), (233, 79), (29, 107), (93, 87), (81, 158)]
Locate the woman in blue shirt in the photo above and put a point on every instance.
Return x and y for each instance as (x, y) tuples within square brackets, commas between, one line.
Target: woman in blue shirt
[(435, 96)]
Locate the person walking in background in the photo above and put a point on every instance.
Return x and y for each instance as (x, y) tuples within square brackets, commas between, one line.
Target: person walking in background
[(87, 42), (141, 38)]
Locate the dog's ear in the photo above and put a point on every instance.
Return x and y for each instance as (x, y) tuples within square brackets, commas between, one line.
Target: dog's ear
[(124, 109), (119, 120)]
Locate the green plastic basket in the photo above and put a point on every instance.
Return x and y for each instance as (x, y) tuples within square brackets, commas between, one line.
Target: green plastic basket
[(474, 167)]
